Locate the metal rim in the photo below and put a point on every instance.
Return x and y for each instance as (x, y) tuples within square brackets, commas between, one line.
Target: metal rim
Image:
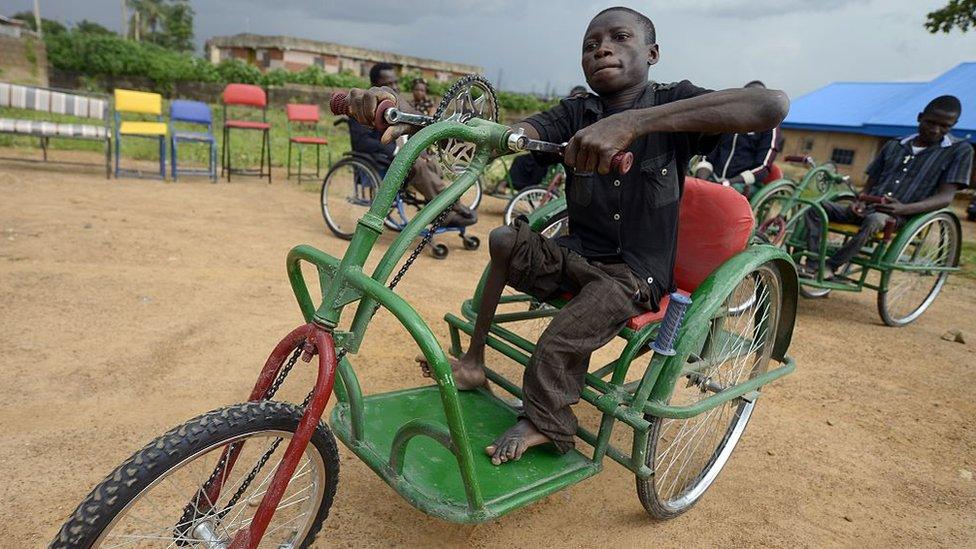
[(342, 196), (934, 244), (526, 202), (688, 454), (311, 464)]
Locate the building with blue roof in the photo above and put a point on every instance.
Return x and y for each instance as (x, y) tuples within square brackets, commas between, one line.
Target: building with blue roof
[(848, 122)]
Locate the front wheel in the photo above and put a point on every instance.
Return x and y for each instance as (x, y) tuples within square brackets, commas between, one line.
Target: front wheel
[(687, 455), (179, 492)]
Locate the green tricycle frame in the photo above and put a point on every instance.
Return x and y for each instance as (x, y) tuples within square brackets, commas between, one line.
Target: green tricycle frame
[(427, 442), (912, 262)]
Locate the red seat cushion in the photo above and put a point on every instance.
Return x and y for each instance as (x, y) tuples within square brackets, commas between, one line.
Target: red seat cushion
[(714, 224), (247, 124), (310, 139)]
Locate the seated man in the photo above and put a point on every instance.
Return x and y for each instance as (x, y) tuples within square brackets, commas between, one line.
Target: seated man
[(425, 176), (742, 160), (920, 173), (421, 102), (526, 171), (618, 258)]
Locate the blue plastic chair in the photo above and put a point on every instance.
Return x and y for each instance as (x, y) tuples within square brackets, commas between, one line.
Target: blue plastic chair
[(192, 112)]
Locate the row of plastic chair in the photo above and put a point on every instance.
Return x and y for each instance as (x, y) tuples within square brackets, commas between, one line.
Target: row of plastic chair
[(303, 118)]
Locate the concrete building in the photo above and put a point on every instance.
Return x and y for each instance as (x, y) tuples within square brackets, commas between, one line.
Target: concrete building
[(848, 122), (294, 54)]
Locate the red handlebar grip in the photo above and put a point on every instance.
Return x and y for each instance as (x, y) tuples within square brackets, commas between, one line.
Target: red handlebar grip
[(622, 162), (873, 199), (379, 121), (339, 105), (795, 159)]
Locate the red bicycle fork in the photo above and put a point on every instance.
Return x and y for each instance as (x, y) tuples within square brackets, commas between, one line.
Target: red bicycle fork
[(315, 340)]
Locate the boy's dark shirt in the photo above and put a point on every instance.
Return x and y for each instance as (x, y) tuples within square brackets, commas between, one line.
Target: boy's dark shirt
[(913, 177), (631, 217)]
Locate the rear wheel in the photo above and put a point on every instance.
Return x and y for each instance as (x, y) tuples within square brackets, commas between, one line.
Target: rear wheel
[(687, 455), (161, 496), (527, 201), (910, 292), (347, 193)]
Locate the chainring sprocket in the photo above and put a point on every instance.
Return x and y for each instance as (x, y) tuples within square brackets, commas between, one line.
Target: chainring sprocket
[(472, 96)]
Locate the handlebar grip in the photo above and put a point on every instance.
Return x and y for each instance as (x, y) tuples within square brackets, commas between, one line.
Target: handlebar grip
[(668, 332), (339, 105), (873, 199), (792, 158), (622, 162)]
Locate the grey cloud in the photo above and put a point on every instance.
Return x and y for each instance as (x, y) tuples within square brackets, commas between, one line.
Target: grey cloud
[(753, 9)]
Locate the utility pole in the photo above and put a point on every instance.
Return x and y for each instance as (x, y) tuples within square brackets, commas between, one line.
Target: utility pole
[(125, 21), (37, 18)]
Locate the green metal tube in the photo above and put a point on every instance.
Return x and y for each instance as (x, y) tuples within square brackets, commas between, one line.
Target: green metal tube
[(658, 409), (413, 428), (353, 397), (440, 371), (316, 257)]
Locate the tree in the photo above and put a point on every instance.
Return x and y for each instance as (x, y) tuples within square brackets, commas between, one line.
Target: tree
[(91, 27), (48, 26), (177, 33), (168, 24), (957, 13)]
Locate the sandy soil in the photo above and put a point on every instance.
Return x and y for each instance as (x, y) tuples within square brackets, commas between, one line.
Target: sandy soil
[(130, 306)]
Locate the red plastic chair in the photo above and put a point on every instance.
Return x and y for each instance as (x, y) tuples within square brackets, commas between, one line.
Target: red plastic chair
[(246, 95), (305, 117)]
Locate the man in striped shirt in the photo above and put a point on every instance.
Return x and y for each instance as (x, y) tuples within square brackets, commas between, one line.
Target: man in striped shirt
[(742, 160), (920, 173)]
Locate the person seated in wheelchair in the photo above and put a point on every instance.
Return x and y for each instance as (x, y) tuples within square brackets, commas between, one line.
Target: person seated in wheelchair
[(742, 160), (913, 175), (426, 176), (619, 255), (526, 171)]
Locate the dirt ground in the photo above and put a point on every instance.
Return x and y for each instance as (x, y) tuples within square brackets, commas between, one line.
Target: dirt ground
[(129, 306)]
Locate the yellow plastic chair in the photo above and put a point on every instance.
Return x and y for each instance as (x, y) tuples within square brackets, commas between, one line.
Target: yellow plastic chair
[(140, 103)]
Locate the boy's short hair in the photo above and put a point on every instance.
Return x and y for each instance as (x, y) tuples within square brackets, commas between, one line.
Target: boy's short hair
[(944, 103), (417, 81), (650, 34), (755, 84), (375, 70)]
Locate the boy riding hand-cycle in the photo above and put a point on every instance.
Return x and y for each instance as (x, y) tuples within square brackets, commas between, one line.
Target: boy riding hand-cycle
[(618, 258)]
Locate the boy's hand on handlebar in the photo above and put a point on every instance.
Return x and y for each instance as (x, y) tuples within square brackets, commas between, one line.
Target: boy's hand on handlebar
[(593, 147), (362, 108), (891, 206)]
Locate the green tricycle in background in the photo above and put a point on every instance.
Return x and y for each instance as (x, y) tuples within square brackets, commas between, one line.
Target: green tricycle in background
[(912, 262), (264, 473)]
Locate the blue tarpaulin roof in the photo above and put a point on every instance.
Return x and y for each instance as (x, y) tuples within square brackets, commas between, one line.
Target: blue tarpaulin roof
[(886, 109)]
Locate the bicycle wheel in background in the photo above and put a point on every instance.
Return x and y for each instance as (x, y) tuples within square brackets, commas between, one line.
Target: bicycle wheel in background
[(347, 194)]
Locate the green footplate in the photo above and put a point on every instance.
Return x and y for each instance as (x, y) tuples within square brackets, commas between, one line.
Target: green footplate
[(431, 478)]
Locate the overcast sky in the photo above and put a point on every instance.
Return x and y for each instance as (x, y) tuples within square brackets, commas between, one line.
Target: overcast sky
[(795, 45)]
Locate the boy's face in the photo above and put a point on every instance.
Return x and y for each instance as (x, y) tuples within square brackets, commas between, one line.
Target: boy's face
[(387, 78), (419, 91), (933, 126), (616, 53)]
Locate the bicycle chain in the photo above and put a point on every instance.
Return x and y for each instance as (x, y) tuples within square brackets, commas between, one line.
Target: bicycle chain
[(280, 379)]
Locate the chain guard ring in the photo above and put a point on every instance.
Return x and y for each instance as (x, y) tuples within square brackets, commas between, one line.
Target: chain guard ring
[(459, 104)]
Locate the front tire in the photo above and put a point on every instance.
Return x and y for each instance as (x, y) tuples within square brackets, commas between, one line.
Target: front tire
[(150, 496)]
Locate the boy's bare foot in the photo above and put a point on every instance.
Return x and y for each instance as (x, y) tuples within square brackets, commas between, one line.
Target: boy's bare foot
[(468, 373), (515, 441)]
